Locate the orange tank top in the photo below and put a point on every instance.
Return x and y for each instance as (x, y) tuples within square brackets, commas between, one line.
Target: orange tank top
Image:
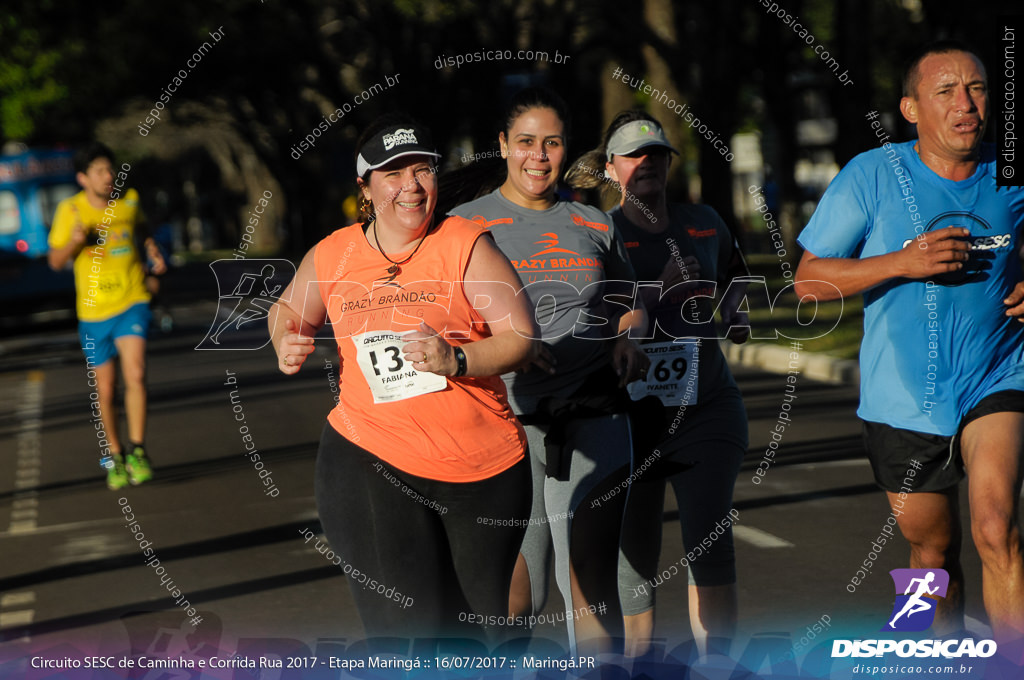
[(447, 429)]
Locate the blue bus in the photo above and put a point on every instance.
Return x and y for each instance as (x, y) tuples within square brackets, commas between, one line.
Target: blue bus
[(32, 183)]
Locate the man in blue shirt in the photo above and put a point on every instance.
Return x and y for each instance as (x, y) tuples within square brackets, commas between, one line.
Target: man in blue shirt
[(922, 230)]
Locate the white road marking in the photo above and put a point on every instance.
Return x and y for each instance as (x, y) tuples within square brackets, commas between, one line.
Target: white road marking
[(22, 526), (29, 412), (17, 599), (119, 520), (83, 546), (759, 538), (26, 500), (17, 618), (849, 462)]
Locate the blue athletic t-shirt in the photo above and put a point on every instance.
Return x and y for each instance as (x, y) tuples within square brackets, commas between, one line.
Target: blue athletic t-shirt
[(933, 348)]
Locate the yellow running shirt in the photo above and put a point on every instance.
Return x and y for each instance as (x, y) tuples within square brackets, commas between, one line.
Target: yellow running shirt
[(108, 276)]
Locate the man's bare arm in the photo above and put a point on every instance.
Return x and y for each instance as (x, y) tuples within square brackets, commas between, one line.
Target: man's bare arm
[(829, 278)]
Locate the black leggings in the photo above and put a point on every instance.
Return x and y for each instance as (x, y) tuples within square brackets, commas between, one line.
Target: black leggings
[(421, 538)]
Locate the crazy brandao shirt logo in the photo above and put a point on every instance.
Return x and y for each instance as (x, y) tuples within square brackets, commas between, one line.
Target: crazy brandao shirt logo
[(552, 246)]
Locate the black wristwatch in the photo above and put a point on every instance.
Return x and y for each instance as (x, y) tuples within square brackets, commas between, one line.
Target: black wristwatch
[(460, 358)]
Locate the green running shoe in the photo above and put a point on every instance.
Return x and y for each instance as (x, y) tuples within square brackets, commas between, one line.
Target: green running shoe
[(137, 466), (117, 478)]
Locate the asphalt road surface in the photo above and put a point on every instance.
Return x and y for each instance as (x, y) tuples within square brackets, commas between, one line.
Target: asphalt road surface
[(74, 579)]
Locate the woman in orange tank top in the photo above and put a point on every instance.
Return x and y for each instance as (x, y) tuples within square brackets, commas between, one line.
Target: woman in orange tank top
[(422, 456)]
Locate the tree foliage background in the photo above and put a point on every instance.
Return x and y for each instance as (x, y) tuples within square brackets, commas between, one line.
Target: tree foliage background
[(70, 72)]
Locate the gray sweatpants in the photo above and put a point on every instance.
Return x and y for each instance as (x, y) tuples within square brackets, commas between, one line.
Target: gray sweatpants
[(601, 448)]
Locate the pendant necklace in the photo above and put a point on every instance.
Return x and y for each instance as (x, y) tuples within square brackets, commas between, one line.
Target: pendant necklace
[(395, 269)]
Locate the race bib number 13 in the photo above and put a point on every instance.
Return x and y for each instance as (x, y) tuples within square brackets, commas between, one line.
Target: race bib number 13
[(672, 376), (390, 377)]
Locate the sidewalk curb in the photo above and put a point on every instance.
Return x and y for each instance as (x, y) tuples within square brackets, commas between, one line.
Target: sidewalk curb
[(777, 359)]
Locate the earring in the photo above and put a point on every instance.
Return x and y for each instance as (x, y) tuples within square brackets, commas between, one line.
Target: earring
[(366, 208)]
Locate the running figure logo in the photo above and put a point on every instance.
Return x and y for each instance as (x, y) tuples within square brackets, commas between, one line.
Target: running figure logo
[(915, 611), (251, 308), (552, 246), (254, 287)]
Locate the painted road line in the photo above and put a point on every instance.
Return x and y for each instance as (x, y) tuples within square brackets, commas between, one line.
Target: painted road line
[(21, 599), (29, 414), (758, 538)]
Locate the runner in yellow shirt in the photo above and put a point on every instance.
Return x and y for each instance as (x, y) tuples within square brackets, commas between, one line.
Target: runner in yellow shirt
[(97, 228)]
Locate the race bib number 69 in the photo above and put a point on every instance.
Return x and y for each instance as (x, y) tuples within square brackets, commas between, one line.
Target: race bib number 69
[(389, 376), (672, 376)]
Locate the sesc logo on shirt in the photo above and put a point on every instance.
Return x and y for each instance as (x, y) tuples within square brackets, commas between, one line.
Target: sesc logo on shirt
[(983, 246)]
